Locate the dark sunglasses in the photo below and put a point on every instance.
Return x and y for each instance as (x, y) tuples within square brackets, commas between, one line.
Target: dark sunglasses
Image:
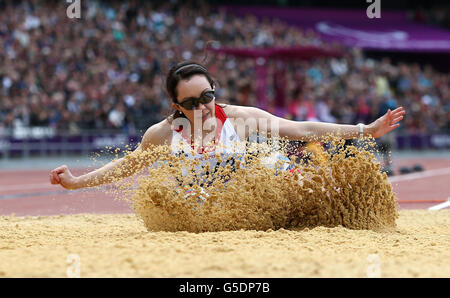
[(206, 97)]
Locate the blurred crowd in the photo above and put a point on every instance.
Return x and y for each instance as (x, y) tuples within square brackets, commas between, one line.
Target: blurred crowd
[(107, 69), (354, 89), (436, 15)]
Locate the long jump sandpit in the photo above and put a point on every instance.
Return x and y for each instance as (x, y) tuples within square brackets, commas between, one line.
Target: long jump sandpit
[(119, 246)]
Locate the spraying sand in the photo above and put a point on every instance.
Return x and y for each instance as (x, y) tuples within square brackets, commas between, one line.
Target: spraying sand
[(253, 190)]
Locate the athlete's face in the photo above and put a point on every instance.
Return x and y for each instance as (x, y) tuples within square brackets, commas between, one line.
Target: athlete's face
[(195, 87)]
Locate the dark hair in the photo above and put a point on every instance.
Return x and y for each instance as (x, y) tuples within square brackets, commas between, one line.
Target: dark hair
[(181, 71)]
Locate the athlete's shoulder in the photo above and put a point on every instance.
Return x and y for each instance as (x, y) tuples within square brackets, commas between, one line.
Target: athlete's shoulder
[(235, 111), (157, 134)]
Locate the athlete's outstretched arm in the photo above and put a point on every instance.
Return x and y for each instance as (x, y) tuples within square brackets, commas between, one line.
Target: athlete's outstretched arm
[(111, 172), (376, 129), (312, 131)]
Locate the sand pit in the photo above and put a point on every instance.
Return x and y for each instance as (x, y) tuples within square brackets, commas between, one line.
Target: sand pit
[(120, 246)]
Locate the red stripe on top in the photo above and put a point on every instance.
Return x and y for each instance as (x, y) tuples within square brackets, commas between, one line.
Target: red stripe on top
[(221, 117), (220, 114)]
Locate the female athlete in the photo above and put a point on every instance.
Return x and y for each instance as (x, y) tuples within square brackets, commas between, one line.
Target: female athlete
[(202, 124)]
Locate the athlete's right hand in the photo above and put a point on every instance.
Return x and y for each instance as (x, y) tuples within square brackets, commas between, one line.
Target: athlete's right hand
[(62, 175)]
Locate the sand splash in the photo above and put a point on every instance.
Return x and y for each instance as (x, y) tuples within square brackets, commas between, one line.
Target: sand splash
[(338, 186)]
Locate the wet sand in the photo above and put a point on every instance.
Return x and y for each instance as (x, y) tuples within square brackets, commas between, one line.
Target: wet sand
[(120, 246)]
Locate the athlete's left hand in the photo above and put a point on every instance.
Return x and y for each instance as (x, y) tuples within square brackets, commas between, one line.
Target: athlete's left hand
[(386, 123)]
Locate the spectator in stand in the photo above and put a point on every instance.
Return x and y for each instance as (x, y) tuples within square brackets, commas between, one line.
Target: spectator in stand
[(106, 71)]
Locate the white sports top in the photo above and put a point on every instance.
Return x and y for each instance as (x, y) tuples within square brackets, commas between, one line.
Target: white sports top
[(226, 143)]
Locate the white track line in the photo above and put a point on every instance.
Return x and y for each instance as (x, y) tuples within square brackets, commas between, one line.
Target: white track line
[(26, 186), (441, 206), (426, 174)]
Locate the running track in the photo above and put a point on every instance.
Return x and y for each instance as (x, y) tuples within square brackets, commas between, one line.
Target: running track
[(29, 192)]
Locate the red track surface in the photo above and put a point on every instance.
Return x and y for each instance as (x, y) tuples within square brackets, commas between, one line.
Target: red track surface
[(29, 192), (426, 191)]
